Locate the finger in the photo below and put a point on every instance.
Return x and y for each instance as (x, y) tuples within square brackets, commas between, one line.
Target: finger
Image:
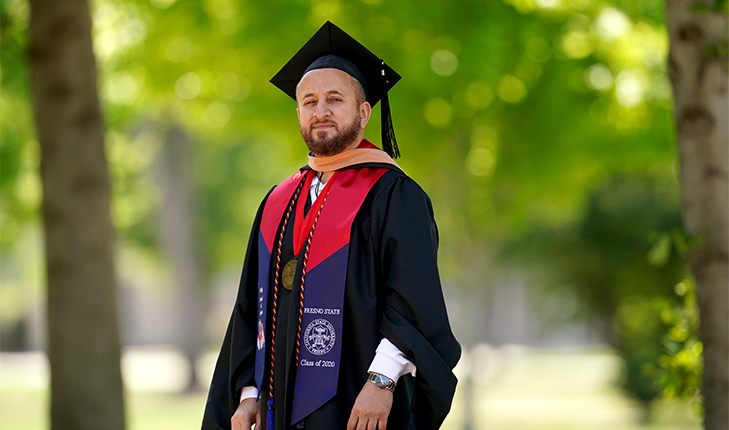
[(240, 422), (352, 423), (364, 423), (382, 424), (372, 424), (258, 420)]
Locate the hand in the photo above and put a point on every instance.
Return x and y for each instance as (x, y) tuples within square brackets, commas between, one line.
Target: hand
[(371, 409), (247, 414)]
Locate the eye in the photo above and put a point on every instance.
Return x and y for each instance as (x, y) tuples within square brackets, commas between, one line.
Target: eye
[(335, 99)]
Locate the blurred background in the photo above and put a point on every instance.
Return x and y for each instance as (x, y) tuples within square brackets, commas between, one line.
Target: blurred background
[(541, 129)]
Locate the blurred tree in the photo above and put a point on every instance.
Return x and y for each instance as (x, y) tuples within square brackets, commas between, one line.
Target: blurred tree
[(605, 260), (180, 241), (699, 67), (83, 337)]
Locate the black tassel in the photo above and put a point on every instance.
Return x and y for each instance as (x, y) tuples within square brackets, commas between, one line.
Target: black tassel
[(389, 143)]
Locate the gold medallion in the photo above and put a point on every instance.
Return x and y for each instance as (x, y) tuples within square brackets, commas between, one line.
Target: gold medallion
[(287, 275)]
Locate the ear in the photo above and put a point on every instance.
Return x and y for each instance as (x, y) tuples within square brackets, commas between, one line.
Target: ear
[(298, 113), (365, 111)]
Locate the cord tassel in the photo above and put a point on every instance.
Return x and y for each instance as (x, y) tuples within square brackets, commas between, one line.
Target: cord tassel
[(389, 143), (270, 422)]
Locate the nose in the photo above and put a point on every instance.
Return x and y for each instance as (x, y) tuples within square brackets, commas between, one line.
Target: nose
[(322, 110)]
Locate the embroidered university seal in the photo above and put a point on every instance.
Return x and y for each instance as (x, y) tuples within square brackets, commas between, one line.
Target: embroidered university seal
[(319, 336)]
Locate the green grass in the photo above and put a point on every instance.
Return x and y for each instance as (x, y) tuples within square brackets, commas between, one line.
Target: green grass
[(23, 410), (150, 411), (145, 411), (509, 389)]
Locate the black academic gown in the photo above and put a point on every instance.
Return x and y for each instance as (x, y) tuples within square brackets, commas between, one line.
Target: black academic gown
[(392, 290)]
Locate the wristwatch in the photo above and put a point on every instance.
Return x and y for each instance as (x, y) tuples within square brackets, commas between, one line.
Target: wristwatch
[(381, 381)]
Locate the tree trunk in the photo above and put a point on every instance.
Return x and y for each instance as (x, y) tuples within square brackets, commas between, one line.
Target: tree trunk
[(83, 337), (698, 69), (180, 241)]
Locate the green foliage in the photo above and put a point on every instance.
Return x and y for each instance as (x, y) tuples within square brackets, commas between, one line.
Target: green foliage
[(508, 114), (641, 330), (514, 116), (622, 259), (660, 347), (681, 362), (603, 257), (19, 182), (662, 353)]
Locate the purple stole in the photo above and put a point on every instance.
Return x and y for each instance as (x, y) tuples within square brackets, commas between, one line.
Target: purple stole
[(317, 370)]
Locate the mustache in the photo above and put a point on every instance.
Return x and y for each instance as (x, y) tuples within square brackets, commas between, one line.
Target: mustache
[(326, 121)]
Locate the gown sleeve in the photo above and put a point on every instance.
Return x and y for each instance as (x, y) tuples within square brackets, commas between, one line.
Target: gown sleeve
[(235, 367), (414, 316)]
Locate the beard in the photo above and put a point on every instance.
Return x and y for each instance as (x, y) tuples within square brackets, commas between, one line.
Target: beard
[(322, 146)]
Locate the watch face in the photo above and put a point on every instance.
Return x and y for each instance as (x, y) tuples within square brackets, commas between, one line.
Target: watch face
[(382, 381)]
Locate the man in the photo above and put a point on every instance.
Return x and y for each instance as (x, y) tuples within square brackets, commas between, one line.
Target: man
[(340, 320)]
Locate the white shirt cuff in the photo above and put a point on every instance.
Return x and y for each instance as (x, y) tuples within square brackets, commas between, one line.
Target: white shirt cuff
[(248, 392), (390, 361)]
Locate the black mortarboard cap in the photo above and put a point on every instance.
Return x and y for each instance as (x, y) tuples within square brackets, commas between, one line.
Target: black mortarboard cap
[(376, 77)]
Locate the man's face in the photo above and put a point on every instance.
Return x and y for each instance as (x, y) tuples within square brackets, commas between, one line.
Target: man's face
[(330, 119)]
